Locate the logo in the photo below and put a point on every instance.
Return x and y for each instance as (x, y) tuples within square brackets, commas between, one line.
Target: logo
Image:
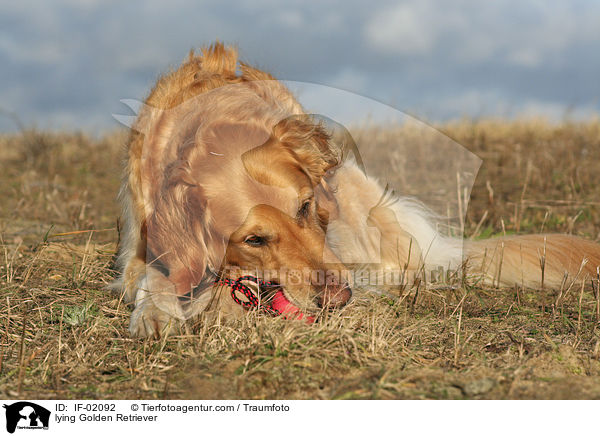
[(26, 415)]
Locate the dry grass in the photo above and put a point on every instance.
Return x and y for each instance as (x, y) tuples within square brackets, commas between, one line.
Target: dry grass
[(63, 336)]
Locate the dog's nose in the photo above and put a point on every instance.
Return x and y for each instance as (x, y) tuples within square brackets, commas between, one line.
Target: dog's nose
[(334, 296)]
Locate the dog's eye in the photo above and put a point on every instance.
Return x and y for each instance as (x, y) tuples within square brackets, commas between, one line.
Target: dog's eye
[(255, 241), (304, 209)]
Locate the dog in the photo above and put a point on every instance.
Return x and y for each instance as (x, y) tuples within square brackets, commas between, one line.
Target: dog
[(234, 198)]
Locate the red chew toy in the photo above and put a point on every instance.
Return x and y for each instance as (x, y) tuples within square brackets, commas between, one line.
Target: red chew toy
[(281, 304)]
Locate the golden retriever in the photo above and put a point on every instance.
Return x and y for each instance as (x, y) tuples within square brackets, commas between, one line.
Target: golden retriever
[(234, 198)]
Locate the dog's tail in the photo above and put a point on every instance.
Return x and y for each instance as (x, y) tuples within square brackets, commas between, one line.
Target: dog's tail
[(533, 261)]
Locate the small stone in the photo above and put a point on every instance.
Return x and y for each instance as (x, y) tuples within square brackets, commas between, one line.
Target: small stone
[(478, 387)]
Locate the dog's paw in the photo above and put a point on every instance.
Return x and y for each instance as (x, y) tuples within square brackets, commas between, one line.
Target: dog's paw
[(157, 312), (147, 320)]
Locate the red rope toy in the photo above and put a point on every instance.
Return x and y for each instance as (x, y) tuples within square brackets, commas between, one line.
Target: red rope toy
[(279, 304), (253, 301)]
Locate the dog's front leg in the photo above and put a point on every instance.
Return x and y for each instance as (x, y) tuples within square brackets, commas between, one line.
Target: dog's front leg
[(157, 309)]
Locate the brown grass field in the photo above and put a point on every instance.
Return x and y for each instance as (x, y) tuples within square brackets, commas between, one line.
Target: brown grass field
[(63, 336)]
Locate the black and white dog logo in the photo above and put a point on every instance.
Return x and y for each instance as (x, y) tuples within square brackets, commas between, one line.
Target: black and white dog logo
[(26, 415)]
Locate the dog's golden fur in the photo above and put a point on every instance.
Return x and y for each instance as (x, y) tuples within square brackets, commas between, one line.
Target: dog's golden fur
[(224, 169)]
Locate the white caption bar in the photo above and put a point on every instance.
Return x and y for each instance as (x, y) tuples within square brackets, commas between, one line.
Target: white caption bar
[(243, 417)]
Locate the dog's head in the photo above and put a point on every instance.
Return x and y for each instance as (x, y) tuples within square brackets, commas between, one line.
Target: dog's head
[(248, 198)]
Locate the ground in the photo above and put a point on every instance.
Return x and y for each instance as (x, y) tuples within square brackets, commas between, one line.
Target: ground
[(62, 335)]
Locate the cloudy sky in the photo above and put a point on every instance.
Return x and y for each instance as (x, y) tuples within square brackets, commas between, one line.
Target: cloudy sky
[(67, 63)]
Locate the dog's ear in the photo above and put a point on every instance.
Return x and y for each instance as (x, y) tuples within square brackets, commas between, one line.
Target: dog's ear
[(327, 205), (175, 229), (310, 143)]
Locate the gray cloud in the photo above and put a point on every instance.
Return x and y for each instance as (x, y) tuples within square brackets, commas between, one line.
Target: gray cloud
[(66, 63)]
